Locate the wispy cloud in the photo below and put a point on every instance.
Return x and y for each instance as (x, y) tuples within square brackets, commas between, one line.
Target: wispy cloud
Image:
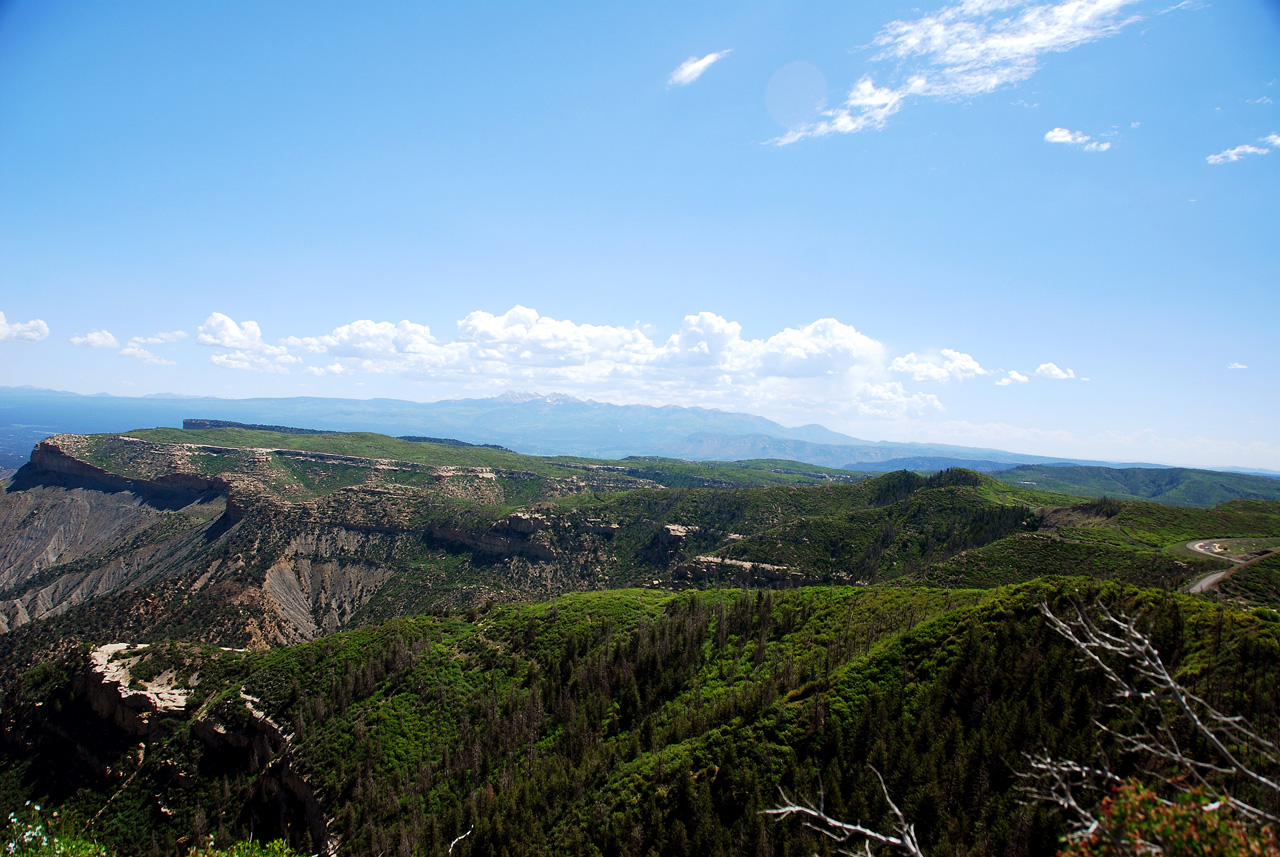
[(247, 349), (692, 68), (96, 339), (1075, 138), (1236, 366), (162, 337), (967, 49), (22, 331), (1235, 154), (1231, 155)]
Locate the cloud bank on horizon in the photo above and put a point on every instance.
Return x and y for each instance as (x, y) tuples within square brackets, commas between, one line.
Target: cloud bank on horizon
[(707, 361)]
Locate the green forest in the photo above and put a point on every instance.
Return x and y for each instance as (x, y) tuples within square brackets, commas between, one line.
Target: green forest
[(625, 722), (614, 659)]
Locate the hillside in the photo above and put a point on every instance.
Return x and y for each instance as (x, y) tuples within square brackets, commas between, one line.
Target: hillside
[(370, 644), (610, 723), (1172, 486), (295, 535), (252, 538)]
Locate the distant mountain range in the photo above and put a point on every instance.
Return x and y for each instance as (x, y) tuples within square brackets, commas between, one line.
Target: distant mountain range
[(525, 422)]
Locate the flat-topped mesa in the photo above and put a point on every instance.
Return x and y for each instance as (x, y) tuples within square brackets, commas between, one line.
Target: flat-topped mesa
[(61, 460)]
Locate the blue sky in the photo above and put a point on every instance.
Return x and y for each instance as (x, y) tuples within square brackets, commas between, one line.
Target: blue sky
[(903, 222)]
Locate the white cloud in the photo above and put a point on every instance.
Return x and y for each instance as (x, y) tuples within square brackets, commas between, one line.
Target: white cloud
[(706, 361), (241, 359), (96, 339), (22, 331), (1062, 135), (222, 331), (1230, 155), (250, 350), (1272, 140), (134, 349), (1051, 370), (1236, 366), (692, 69), (162, 337), (967, 49), (367, 337), (1014, 377), (1075, 138), (954, 364)]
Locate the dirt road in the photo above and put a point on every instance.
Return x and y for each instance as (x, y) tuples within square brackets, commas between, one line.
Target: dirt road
[(1207, 547)]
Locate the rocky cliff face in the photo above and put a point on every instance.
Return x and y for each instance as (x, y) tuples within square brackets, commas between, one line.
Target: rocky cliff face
[(91, 518), (106, 727)]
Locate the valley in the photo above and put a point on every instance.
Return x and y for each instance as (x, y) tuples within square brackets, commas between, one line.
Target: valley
[(366, 644)]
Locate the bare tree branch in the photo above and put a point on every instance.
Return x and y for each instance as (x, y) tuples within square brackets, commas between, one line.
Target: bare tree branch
[(1159, 707), (816, 819), (459, 839)]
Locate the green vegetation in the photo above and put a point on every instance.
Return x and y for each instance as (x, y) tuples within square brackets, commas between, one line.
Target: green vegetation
[(1028, 556), (31, 834), (1173, 486), (665, 471), (608, 722), (630, 722), (1254, 584)]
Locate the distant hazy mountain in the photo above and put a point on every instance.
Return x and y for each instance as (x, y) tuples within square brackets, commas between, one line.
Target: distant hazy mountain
[(535, 424)]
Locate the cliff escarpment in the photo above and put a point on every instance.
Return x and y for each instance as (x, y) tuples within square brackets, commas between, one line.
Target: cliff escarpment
[(296, 543), (248, 538)]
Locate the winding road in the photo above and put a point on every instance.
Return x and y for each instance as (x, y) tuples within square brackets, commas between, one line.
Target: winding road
[(1206, 547)]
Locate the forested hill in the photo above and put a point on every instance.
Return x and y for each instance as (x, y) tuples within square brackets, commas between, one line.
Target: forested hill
[(610, 724), (251, 538), (1174, 486), (372, 646)]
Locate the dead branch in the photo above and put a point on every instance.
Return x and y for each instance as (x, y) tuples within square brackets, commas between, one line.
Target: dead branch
[(816, 819), (459, 839), (1159, 708)]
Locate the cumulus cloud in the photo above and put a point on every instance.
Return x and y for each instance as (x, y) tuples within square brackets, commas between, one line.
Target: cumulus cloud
[(1051, 370), (1014, 377), (967, 49), (248, 349), (1075, 138), (692, 69), (954, 364), (1236, 366), (96, 339), (1272, 140), (22, 331), (367, 337), (708, 360)]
